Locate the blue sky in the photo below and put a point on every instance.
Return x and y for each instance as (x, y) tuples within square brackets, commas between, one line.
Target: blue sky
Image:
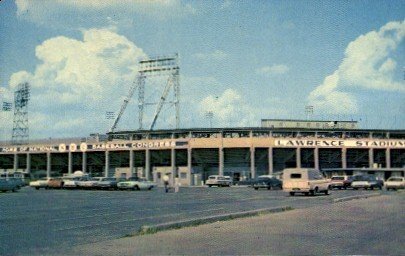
[(242, 60)]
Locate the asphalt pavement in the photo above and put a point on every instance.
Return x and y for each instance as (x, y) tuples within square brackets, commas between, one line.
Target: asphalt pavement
[(372, 226), (54, 221)]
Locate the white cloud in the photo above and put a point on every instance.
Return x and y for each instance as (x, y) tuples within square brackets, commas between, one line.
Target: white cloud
[(229, 109), (216, 55), (273, 70), (77, 80), (54, 11), (367, 65)]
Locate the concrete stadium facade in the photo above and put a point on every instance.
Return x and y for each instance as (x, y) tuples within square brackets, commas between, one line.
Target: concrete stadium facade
[(193, 154)]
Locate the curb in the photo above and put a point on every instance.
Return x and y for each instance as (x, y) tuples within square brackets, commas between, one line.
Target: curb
[(150, 229), (348, 198)]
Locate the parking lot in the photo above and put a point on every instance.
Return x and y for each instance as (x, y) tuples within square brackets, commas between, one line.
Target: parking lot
[(43, 221)]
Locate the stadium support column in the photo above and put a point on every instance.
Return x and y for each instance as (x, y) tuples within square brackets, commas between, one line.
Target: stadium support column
[(70, 163), (173, 164), (298, 157), (28, 170), (147, 164), (252, 163), (344, 158), (221, 161), (84, 162), (131, 162), (271, 166), (316, 158), (189, 166), (107, 163), (370, 158), (48, 164), (15, 163), (388, 158)]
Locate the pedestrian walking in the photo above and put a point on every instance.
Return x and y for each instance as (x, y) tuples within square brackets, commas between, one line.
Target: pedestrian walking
[(166, 182)]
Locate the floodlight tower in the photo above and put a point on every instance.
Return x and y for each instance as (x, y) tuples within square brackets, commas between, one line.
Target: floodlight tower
[(166, 67), (309, 111), (20, 124)]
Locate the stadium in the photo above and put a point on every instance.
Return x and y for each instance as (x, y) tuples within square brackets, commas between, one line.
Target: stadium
[(193, 154)]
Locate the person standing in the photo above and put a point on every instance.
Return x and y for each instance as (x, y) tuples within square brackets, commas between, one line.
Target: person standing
[(166, 182)]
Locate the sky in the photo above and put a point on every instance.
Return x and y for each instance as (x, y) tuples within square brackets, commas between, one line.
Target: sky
[(243, 61)]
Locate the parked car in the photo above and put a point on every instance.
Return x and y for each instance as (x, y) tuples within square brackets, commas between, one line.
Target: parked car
[(55, 183), (307, 181), (340, 182), (218, 180), (107, 183), (8, 185), (18, 181), (70, 182), (135, 183), (395, 183), (41, 183), (268, 183), (88, 183), (366, 182)]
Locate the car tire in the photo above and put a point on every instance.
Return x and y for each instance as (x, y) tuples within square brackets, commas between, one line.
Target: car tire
[(37, 188), (326, 192), (256, 188), (136, 187), (292, 193)]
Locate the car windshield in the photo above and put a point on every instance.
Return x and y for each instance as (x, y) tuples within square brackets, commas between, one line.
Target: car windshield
[(395, 179), (107, 179), (358, 178)]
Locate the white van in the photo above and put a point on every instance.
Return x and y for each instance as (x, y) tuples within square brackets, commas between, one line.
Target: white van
[(307, 181)]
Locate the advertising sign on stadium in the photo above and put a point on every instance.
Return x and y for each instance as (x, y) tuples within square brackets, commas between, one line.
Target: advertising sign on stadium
[(338, 143), (83, 147)]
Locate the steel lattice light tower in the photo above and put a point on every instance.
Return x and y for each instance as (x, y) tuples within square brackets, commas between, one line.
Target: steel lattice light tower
[(20, 124), (164, 67)]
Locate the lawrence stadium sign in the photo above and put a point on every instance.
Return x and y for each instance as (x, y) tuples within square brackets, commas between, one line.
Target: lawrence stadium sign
[(334, 143)]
